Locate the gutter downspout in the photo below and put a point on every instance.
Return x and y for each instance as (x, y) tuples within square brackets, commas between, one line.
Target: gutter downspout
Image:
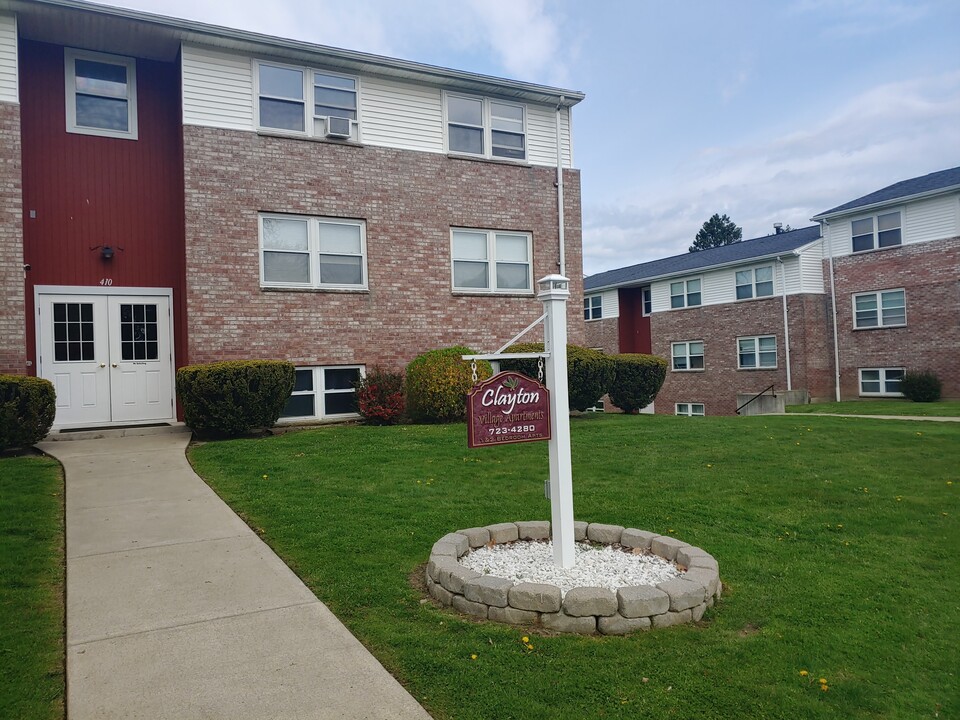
[(786, 323), (562, 263), (833, 302)]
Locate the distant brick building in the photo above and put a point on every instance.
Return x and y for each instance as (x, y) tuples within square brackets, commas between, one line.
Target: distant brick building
[(175, 193), (735, 320)]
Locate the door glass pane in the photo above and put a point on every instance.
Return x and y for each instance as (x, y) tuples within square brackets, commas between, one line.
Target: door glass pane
[(73, 332), (134, 331)]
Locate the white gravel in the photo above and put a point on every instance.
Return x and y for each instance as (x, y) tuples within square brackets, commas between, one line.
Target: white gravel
[(606, 567)]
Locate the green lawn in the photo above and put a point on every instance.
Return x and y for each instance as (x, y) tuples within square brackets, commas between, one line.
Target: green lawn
[(31, 589), (944, 408), (836, 539)]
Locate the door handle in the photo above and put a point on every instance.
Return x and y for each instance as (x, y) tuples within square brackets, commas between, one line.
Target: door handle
[(113, 364), (103, 365)]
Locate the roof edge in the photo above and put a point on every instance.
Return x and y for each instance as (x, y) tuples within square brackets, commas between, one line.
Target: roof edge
[(892, 201)]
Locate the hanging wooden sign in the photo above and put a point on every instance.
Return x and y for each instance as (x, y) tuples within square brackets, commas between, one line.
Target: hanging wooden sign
[(507, 408)]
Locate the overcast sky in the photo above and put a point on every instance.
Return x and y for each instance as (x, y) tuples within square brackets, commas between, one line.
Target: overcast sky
[(767, 111)]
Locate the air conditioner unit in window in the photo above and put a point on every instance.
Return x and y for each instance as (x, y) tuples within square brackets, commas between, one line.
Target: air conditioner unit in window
[(338, 127)]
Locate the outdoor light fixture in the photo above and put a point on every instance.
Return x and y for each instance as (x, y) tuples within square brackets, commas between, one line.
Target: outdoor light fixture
[(106, 251)]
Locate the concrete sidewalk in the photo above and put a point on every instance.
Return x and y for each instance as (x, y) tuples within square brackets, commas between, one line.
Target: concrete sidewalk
[(176, 609)]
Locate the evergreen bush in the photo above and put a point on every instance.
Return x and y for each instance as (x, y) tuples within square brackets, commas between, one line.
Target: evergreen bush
[(637, 379), (437, 384), (922, 386), (234, 397), (380, 397), (27, 409), (589, 372)]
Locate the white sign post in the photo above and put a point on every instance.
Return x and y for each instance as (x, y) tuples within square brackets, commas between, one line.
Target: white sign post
[(554, 292)]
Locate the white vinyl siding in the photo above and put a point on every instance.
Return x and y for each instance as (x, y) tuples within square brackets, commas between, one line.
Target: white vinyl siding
[(9, 89), (407, 117), (921, 221), (809, 269), (217, 89), (611, 304), (542, 135)]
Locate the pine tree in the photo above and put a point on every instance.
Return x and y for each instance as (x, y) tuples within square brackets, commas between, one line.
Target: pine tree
[(718, 230)]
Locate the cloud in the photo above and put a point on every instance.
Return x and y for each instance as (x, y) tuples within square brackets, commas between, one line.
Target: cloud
[(889, 133), (860, 18)]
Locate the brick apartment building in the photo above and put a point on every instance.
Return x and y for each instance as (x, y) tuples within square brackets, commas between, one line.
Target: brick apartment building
[(174, 193), (735, 320)]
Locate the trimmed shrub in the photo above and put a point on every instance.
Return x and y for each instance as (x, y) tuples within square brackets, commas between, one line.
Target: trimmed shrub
[(380, 397), (636, 380), (27, 408), (438, 382), (922, 386), (234, 397), (589, 372)]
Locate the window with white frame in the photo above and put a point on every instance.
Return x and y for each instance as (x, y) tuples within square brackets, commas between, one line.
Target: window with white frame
[(491, 261), (689, 409), (486, 127), (647, 302), (323, 392), (688, 355), (593, 307), (101, 94), (881, 381), (312, 252), (759, 352), (300, 100), (876, 231), (755, 282), (886, 308), (685, 293)]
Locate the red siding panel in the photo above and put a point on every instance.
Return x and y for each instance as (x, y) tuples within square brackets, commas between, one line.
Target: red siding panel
[(81, 191)]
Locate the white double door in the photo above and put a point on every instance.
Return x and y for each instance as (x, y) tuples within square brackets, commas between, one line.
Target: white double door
[(109, 357)]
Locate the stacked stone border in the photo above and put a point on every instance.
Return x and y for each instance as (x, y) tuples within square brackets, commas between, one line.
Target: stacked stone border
[(583, 610)]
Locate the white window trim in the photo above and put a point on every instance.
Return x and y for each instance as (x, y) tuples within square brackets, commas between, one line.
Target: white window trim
[(876, 230), (595, 312), (756, 340), (309, 119), (690, 409), (878, 295), (686, 293), (492, 263), (753, 283), (313, 249), (487, 120), (320, 394), (687, 355), (883, 381), (70, 55)]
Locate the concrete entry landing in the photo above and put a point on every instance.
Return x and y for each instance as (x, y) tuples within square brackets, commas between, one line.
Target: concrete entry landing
[(176, 609)]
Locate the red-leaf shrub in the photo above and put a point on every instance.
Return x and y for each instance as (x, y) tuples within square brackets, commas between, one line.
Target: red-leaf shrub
[(380, 397)]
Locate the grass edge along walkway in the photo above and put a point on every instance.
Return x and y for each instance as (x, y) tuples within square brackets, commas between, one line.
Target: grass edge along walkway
[(32, 642)]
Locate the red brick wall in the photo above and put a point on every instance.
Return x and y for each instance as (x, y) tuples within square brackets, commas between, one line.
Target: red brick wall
[(719, 326), (13, 356), (409, 201), (603, 334), (929, 273)]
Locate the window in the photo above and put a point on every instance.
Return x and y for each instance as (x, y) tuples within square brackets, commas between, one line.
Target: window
[(757, 352), (322, 392), (491, 261), (887, 232), (593, 307), (688, 355), (73, 332), (489, 128), (690, 409), (647, 302), (886, 308), (285, 93), (685, 293), (101, 94), (881, 381), (312, 252), (754, 283)]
